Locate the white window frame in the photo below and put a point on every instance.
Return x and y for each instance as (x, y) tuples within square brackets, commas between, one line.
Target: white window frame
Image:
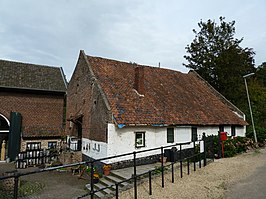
[(140, 142)]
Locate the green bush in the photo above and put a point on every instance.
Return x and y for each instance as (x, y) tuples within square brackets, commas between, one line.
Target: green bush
[(260, 132), (233, 146)]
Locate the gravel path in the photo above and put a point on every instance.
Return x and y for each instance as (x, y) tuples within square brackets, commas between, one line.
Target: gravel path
[(213, 181)]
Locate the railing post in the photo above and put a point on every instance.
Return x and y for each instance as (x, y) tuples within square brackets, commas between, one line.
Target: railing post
[(200, 160), (205, 148), (16, 178), (92, 183), (212, 147), (194, 155), (181, 169), (188, 166), (181, 164), (180, 154), (116, 190), (135, 176), (150, 187), (173, 176), (162, 166), (219, 145)]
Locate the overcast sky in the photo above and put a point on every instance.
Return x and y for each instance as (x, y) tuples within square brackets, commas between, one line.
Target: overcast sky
[(52, 32)]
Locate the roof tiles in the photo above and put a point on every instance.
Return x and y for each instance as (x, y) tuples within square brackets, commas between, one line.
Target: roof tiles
[(31, 76), (170, 97)]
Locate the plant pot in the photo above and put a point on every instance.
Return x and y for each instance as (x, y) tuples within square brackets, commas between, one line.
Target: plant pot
[(95, 180), (106, 172)]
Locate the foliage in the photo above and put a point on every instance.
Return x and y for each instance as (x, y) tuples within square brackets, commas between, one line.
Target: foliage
[(261, 73), (233, 146), (258, 102), (26, 188), (107, 167), (260, 133), (88, 169), (215, 53), (159, 169)]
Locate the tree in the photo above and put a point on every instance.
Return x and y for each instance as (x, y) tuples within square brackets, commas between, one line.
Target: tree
[(261, 74), (217, 56)]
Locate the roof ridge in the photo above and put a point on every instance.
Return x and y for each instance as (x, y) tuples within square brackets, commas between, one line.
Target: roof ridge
[(26, 63), (134, 63)]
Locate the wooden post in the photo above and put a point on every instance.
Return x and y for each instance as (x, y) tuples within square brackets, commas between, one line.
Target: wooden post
[(3, 150)]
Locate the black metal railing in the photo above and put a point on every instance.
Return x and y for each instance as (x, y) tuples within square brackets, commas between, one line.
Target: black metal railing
[(196, 157)]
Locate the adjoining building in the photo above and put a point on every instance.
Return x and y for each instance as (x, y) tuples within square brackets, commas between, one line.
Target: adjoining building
[(31, 106)]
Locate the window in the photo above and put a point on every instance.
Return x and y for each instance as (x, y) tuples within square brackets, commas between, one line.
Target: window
[(170, 135), (194, 134), (221, 128), (51, 145), (33, 145), (233, 131), (140, 139)]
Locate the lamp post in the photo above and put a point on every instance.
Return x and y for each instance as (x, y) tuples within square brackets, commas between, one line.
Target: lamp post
[(251, 115)]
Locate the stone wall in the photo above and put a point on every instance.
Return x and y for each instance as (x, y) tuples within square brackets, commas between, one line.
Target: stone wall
[(68, 157)]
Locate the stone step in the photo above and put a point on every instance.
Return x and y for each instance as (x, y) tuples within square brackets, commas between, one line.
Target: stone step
[(112, 179), (109, 181), (97, 194), (100, 185)]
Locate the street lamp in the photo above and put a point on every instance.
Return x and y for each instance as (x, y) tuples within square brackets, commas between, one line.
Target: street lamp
[(251, 115)]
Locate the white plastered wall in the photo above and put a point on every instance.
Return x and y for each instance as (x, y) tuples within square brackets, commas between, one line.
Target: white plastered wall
[(121, 141)]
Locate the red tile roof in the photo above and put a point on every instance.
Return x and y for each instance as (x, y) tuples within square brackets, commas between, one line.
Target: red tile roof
[(170, 97)]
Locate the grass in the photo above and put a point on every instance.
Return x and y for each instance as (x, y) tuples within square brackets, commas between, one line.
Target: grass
[(26, 188)]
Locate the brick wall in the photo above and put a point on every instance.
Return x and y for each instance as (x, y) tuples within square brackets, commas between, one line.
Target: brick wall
[(36, 109), (84, 98)]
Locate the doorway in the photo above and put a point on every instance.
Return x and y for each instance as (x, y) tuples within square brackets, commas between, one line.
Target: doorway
[(4, 131)]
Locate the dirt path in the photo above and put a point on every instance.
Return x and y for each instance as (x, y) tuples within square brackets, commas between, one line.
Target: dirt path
[(212, 181)]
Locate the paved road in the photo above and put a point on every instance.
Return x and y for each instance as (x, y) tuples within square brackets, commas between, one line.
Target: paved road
[(252, 187)]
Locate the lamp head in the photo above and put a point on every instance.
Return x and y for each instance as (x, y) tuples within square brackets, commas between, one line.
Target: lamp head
[(247, 75)]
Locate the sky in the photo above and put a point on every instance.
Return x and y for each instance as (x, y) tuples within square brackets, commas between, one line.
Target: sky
[(49, 32)]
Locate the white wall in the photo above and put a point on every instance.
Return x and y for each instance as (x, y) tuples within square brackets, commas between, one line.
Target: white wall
[(121, 141), (94, 149), (241, 131)]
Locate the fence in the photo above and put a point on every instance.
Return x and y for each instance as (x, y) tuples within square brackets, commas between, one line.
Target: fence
[(35, 157), (180, 157)]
